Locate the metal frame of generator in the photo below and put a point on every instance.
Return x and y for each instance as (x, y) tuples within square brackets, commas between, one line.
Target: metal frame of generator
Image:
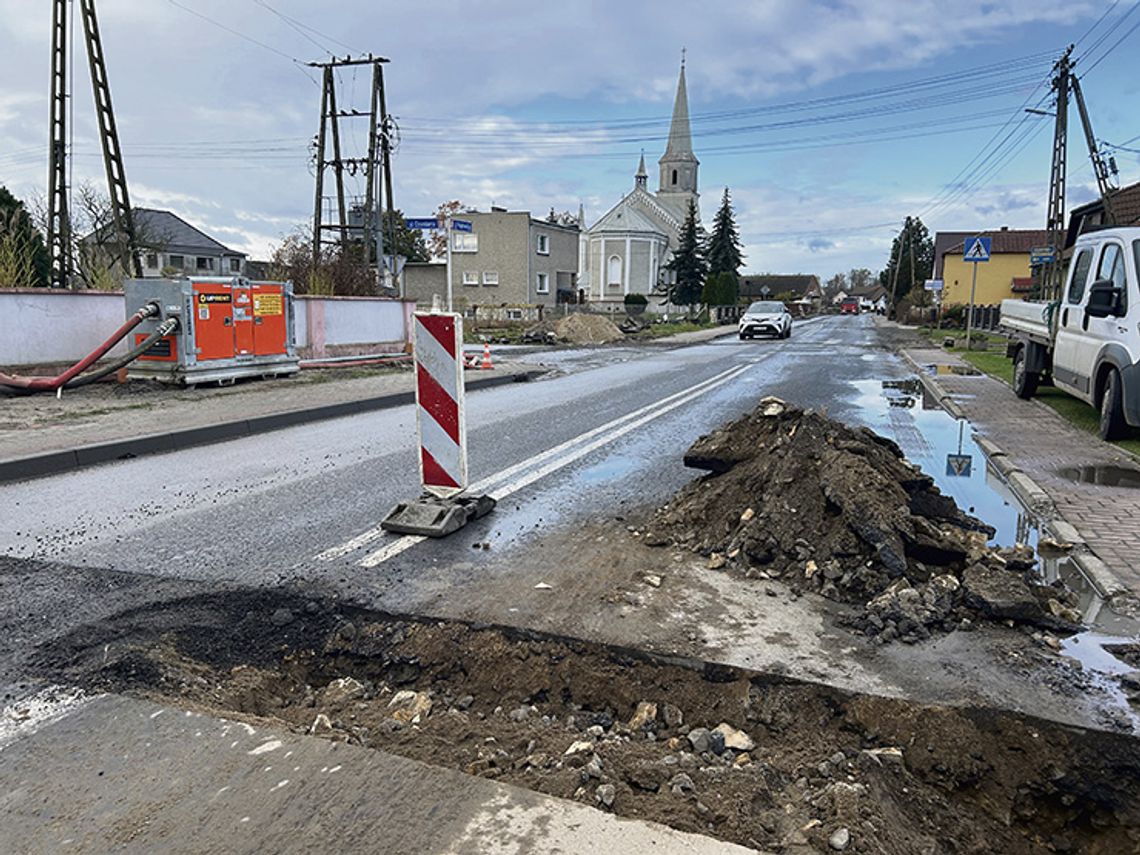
[(228, 328)]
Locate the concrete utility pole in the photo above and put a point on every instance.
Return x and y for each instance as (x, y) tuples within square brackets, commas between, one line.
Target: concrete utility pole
[(898, 264), (367, 231)]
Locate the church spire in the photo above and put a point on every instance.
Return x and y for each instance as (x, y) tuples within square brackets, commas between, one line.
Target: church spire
[(641, 179), (678, 163)]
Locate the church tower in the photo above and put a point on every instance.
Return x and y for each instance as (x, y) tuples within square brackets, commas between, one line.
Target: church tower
[(641, 179), (678, 164)]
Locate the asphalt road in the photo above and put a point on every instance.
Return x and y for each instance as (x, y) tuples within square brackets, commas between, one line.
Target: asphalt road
[(261, 510)]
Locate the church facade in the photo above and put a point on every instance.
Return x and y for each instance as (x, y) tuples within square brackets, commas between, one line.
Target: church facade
[(627, 249)]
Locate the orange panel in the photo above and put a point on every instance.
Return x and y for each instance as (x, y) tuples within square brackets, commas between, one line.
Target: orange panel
[(269, 328), (213, 320), (243, 320)]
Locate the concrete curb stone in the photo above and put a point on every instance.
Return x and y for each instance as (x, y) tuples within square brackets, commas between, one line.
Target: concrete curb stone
[(51, 463)]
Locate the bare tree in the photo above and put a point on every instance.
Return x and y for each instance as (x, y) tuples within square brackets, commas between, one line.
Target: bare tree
[(340, 270), (437, 243)]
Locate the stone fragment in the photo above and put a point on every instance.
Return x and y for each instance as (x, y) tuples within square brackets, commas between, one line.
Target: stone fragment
[(409, 707), (681, 784), (839, 839), (716, 561), (645, 714), (652, 580), (342, 690), (320, 725), (735, 739), (673, 716), (699, 739), (605, 794), (647, 776), (748, 514), (578, 746)]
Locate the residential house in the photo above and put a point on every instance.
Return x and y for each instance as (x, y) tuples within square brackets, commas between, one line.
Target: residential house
[(1007, 274), (1125, 209), (799, 288), (508, 258), (871, 299)]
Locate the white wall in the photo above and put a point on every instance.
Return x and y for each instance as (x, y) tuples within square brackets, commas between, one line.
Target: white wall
[(40, 326)]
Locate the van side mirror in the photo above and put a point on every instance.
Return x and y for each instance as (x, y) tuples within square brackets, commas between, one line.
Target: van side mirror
[(1105, 299)]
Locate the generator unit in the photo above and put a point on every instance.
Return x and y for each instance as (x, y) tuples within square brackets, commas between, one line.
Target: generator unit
[(228, 327)]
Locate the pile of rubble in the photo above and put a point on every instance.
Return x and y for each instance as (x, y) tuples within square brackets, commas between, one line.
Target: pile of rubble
[(579, 328), (797, 496)]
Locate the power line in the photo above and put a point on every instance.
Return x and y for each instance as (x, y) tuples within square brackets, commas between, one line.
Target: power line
[(1115, 44)]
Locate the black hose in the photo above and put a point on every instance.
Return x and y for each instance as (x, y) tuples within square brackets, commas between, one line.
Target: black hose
[(161, 331)]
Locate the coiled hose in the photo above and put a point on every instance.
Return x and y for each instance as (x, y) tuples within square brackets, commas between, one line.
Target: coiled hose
[(50, 384)]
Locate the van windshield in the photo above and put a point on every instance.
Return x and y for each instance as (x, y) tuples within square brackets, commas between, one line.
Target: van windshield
[(768, 307)]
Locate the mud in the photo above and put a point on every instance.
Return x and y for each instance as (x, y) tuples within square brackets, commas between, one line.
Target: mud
[(751, 758), (794, 495)]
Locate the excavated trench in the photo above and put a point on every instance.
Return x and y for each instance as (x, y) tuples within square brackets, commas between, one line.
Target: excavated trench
[(747, 757)]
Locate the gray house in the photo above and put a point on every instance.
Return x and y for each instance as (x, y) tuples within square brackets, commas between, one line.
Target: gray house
[(509, 258), (173, 245)]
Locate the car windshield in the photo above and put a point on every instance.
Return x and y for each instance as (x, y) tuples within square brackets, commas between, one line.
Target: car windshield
[(769, 307)]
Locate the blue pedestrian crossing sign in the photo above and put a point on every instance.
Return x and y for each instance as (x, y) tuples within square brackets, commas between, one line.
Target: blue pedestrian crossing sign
[(977, 249), (959, 465)]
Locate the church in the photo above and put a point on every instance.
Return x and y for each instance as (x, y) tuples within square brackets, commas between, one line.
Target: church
[(626, 250)]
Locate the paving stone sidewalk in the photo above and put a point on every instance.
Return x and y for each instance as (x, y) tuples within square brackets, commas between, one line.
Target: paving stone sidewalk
[(1042, 444)]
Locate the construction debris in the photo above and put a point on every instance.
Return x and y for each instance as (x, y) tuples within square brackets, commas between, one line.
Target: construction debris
[(838, 510)]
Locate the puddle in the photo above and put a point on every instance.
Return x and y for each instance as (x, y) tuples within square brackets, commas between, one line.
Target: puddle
[(943, 369), (943, 447), (609, 470), (1103, 476)]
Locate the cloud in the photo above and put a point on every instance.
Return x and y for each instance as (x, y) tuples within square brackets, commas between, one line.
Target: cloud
[(819, 244)]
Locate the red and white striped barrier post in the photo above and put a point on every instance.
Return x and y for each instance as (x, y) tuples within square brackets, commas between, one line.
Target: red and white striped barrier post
[(440, 424), (442, 433)]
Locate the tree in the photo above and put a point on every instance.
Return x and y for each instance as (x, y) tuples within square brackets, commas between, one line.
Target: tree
[(721, 289), (24, 260), (688, 263), (860, 278), (723, 250), (911, 261), (409, 242), (340, 270), (437, 243), (834, 285)]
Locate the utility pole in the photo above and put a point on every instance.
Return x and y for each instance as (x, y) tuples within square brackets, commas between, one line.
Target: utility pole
[(898, 264), (59, 221), (366, 231), (1064, 82)]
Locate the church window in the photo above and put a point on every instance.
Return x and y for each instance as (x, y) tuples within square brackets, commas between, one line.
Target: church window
[(674, 176), (614, 270)]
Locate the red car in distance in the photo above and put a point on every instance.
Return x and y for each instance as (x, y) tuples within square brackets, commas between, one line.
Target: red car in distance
[(849, 306)]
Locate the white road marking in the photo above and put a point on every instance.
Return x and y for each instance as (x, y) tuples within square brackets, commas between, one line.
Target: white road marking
[(609, 434), (24, 717)]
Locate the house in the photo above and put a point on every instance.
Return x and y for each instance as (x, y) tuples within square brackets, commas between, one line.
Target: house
[(508, 258), (1125, 209), (626, 251), (797, 288), (1004, 276), (871, 299)]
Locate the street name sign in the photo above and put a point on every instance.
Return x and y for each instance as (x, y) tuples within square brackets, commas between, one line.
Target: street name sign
[(461, 225), (1042, 255), (959, 465), (977, 249), (422, 223), (933, 285)]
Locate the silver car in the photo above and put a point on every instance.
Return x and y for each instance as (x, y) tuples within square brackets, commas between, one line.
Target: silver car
[(767, 317)]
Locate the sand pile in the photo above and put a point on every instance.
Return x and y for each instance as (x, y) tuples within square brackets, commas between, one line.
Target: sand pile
[(587, 329)]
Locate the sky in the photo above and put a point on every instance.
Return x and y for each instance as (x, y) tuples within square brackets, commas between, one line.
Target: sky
[(829, 122)]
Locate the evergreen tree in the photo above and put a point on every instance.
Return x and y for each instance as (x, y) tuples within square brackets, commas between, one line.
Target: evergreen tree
[(912, 269), (688, 263), (723, 251), (24, 260)]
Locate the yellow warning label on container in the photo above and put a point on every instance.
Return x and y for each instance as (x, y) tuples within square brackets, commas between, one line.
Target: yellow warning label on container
[(268, 304)]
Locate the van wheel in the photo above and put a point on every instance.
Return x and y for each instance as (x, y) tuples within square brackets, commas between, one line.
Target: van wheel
[(1024, 381), (1112, 424)]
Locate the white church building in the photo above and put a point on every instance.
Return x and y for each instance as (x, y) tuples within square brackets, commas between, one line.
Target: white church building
[(626, 250)]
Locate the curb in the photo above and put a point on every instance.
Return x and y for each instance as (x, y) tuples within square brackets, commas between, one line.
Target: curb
[(55, 462), (1035, 499)]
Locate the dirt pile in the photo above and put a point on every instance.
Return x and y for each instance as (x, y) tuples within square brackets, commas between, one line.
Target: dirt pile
[(587, 329), (825, 507)]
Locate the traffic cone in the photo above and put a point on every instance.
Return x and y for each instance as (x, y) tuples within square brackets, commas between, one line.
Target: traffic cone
[(486, 357)]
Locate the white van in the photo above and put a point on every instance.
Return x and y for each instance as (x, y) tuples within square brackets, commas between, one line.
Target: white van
[(1087, 342)]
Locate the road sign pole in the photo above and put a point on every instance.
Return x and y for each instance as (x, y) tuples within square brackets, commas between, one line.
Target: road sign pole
[(970, 314), (448, 233)]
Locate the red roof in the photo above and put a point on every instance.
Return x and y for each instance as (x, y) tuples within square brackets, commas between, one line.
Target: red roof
[(1010, 240)]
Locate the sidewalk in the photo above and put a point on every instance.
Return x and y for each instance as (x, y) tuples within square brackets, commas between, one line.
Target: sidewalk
[(42, 434), (1037, 444)]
